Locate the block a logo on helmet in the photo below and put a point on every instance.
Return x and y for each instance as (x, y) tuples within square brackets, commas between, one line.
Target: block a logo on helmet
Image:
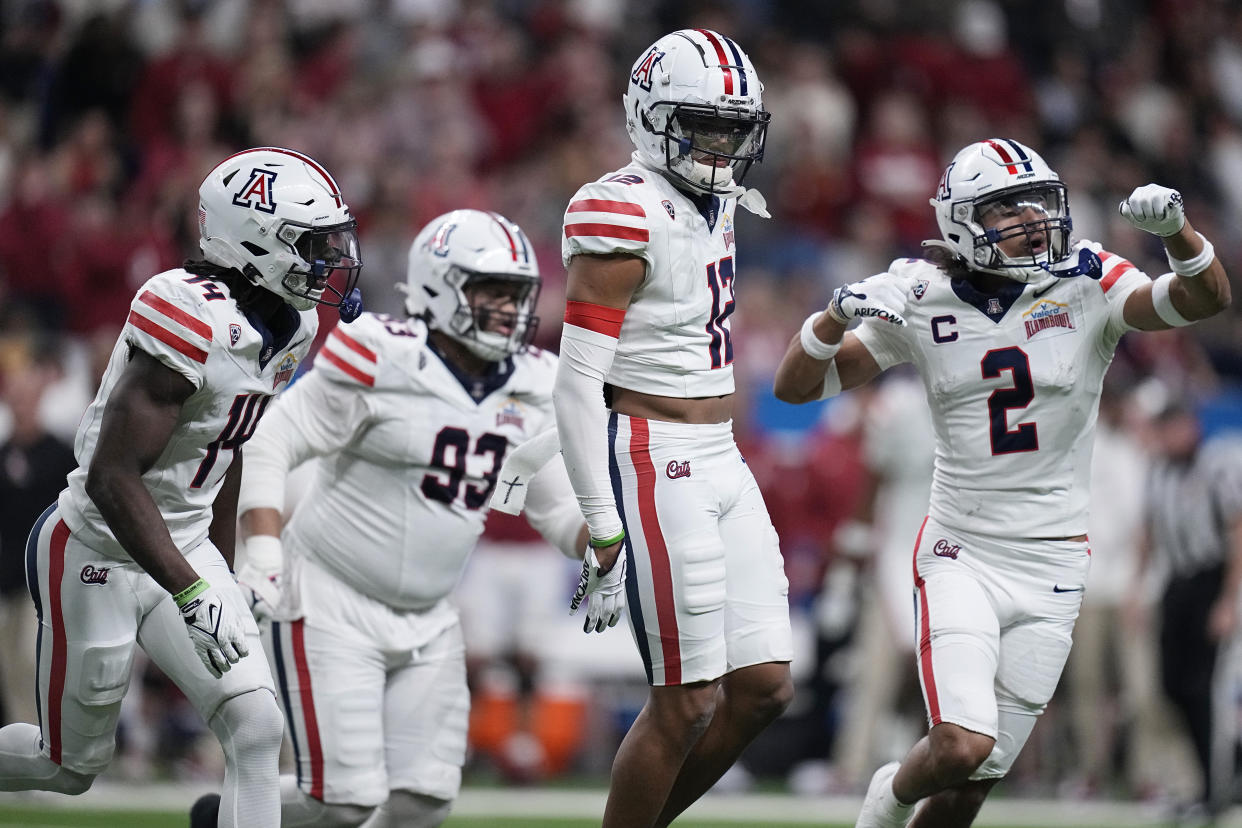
[(277, 217), (473, 276), (694, 107)]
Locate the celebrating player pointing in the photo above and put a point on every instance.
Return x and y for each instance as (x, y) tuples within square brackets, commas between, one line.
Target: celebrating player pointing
[(1011, 324)]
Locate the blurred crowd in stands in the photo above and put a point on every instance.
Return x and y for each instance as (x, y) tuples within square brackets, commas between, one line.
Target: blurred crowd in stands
[(112, 111)]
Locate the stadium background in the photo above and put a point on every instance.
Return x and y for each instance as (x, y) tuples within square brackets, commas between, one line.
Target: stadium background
[(111, 112)]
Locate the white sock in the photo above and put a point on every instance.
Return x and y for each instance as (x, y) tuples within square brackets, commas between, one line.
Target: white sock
[(249, 728)]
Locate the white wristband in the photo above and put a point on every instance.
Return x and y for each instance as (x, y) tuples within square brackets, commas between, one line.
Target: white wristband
[(1193, 267), (815, 347), (1163, 303), (264, 552)]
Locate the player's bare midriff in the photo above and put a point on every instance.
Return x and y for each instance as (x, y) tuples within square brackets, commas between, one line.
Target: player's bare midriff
[(700, 410)]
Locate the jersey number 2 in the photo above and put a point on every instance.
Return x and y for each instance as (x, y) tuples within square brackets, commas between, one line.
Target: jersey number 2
[(444, 488), (720, 281), (1025, 437)]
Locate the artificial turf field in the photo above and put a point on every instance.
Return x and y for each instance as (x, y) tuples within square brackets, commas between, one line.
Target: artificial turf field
[(44, 818), (167, 806)]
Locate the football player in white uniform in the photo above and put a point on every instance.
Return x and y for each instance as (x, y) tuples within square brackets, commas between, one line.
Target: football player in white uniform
[(412, 419), (139, 547), (1011, 324), (644, 404)]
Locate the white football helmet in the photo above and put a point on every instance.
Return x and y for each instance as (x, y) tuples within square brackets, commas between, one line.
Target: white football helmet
[(278, 217), (466, 247), (997, 178), (694, 106)]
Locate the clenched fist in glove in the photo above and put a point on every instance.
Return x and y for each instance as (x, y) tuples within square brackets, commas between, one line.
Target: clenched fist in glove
[(218, 634), (1155, 209), (878, 298), (259, 575), (604, 592)]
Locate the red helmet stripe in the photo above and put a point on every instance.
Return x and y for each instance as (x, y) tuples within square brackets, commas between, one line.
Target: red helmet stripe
[(310, 162), (508, 235), (1004, 155), (720, 55)]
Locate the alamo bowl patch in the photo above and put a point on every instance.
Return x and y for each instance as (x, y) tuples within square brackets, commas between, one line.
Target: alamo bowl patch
[(511, 415), (1046, 316), (285, 371)]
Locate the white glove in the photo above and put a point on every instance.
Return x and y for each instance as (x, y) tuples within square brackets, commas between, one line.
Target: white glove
[(604, 591), (870, 298), (522, 464), (260, 575), (1154, 209), (218, 635)]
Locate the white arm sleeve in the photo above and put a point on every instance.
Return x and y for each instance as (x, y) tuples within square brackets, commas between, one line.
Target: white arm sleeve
[(313, 418), (582, 423), (553, 511)]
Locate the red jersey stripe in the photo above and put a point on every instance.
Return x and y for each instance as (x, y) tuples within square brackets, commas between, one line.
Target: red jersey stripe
[(610, 231), (602, 205), (598, 318), (56, 681), (364, 378), (176, 314), (661, 569), (314, 745), (167, 337), (354, 345), (1117, 272), (925, 648)]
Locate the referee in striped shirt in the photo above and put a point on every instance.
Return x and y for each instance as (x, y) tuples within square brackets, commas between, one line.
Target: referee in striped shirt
[(1194, 528)]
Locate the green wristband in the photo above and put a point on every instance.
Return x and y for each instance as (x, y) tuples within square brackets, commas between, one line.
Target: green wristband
[(600, 543), (191, 592)]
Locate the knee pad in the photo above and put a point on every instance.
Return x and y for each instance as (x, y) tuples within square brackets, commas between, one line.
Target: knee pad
[(249, 723)]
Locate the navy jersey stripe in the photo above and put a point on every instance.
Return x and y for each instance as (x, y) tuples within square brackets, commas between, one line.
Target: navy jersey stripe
[(32, 583), (633, 599), (283, 678)]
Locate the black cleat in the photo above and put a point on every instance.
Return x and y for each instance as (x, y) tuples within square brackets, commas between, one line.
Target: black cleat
[(206, 811)]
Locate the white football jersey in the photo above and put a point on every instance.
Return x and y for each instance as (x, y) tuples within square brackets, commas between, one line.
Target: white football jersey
[(191, 324), (675, 339), (1013, 382), (410, 453)]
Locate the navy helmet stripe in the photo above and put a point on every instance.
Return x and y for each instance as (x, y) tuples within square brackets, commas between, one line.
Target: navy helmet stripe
[(737, 59), (633, 600), (1021, 153)]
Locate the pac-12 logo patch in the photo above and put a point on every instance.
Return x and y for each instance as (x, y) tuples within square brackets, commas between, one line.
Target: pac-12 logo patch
[(642, 72), (919, 289), (285, 370), (234, 333), (668, 208), (257, 191)]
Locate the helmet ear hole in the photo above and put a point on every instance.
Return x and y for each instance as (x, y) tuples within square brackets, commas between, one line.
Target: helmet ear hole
[(254, 249)]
